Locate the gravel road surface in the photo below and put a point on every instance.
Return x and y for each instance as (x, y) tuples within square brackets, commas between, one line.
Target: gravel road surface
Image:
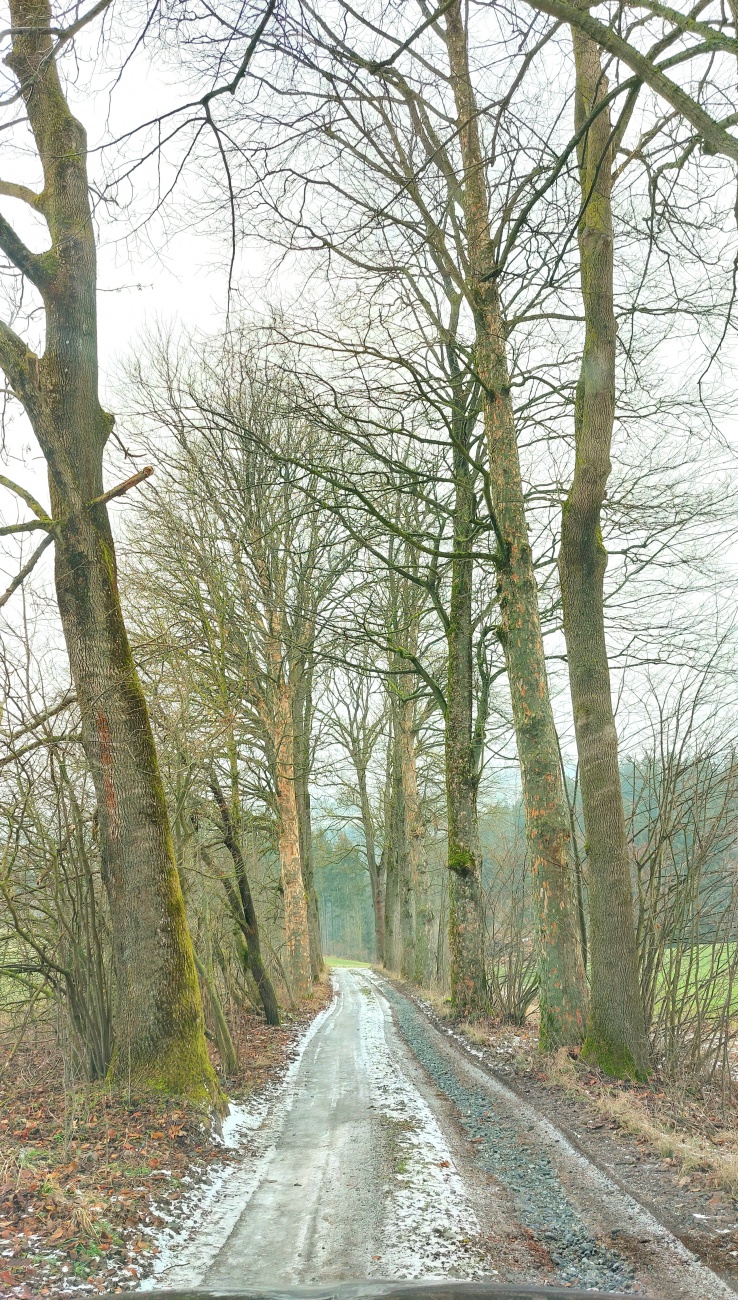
[(385, 1152)]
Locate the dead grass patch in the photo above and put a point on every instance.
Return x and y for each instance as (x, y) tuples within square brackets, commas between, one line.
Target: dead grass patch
[(700, 1143)]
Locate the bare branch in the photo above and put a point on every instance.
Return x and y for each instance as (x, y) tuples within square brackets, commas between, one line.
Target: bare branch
[(31, 526), (63, 33), (712, 133), (118, 491), (39, 718), (28, 567), (231, 86), (19, 364), (12, 191), (29, 264), (30, 501)]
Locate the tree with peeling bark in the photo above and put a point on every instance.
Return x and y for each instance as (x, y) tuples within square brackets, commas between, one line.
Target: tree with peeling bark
[(252, 574), (616, 1035), (159, 1022), (563, 998)]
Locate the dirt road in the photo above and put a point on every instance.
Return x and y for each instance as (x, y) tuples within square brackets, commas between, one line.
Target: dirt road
[(386, 1153)]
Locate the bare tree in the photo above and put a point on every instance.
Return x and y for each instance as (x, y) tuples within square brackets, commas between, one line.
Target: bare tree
[(357, 727), (616, 1037), (159, 1031), (256, 565)]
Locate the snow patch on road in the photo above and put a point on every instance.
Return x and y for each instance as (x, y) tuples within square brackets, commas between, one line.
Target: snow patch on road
[(430, 1225), (429, 1228), (207, 1214)]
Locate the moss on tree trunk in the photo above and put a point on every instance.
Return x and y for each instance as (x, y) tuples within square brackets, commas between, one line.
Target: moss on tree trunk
[(159, 1028), (616, 1037), (562, 985)]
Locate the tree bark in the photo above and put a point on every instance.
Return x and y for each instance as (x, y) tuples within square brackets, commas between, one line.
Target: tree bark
[(416, 962), (395, 855), (616, 1036), (562, 983), (413, 836), (244, 910), (424, 918), (466, 934), (302, 715), (293, 886), (370, 848), (160, 1039)]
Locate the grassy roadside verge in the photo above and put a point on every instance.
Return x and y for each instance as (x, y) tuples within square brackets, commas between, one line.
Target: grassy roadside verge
[(684, 1126), (691, 1127)]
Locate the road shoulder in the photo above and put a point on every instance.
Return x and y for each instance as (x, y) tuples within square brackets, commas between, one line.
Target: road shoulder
[(637, 1233)]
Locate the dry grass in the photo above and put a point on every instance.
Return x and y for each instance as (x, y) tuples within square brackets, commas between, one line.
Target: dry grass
[(648, 1115), (476, 1033), (439, 1003)]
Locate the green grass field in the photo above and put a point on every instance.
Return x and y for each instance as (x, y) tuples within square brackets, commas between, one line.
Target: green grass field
[(346, 961), (705, 975)]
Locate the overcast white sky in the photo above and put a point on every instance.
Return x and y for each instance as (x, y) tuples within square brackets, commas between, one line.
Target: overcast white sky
[(171, 272)]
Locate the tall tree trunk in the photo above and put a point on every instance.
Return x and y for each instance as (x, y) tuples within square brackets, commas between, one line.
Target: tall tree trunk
[(302, 714), (416, 961), (563, 997), (398, 897), (424, 918), (242, 906), (466, 932), (384, 867), (412, 836), (395, 856), (304, 817), (160, 1039), (468, 983), (293, 886), (616, 1036), (375, 881)]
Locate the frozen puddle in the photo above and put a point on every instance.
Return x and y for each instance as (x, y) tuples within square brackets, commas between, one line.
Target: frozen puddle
[(346, 1173)]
